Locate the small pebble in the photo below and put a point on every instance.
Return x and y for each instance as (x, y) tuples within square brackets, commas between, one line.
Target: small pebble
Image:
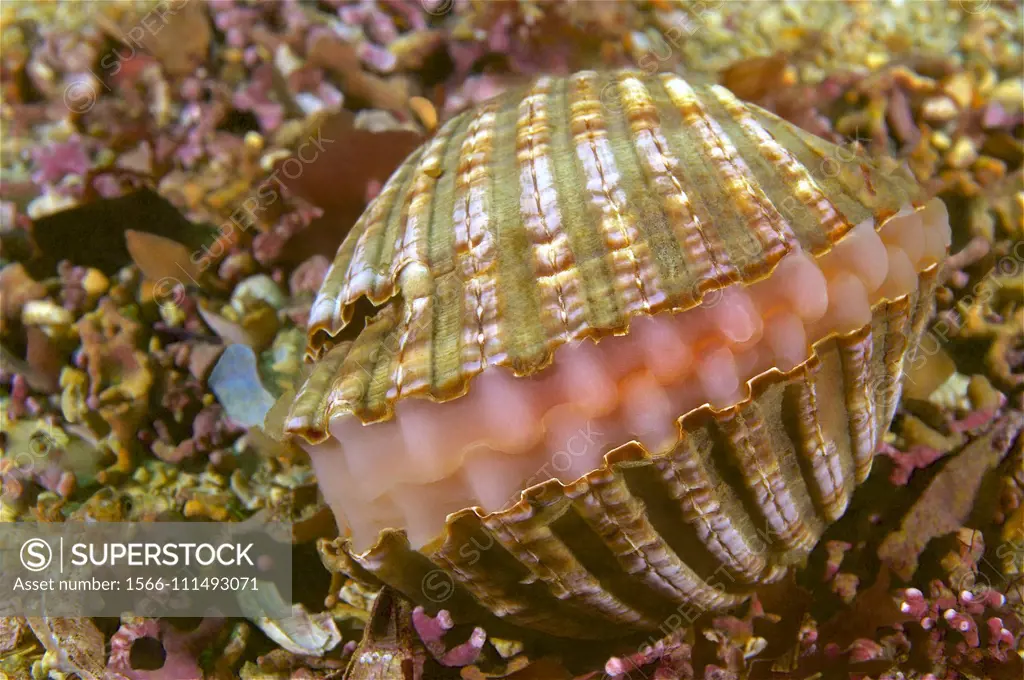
[(962, 154), (939, 109)]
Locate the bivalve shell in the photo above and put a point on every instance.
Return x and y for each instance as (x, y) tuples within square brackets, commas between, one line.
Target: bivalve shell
[(525, 264)]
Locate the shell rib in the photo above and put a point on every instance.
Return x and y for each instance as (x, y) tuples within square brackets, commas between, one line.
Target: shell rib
[(767, 285)]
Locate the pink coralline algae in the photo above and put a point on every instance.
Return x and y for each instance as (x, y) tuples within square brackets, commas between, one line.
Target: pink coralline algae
[(58, 160), (432, 630), (666, 659), (176, 652), (917, 457), (967, 626)]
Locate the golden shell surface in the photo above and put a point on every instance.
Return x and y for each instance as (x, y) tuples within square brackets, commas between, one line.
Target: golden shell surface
[(557, 212)]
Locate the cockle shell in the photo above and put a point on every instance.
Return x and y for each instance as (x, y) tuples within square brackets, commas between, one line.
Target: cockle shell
[(526, 263)]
